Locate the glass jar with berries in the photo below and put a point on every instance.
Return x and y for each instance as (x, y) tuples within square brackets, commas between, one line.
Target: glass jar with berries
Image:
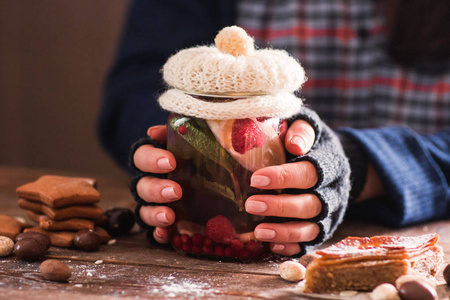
[(229, 103)]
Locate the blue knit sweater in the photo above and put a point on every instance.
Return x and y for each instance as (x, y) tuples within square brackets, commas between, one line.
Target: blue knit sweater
[(414, 169)]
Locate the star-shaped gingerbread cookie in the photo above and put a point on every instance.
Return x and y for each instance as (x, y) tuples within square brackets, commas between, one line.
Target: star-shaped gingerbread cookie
[(60, 191)]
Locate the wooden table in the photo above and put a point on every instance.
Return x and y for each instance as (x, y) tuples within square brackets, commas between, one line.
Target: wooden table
[(133, 269)]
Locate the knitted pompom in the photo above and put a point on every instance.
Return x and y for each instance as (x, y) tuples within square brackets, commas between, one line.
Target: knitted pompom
[(235, 41)]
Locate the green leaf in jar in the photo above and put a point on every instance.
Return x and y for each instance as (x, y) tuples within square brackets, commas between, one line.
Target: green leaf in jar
[(199, 136), (221, 189)]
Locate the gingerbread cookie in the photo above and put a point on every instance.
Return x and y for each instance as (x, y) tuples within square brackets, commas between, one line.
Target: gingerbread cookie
[(92, 211), (75, 224), (10, 227), (60, 191)]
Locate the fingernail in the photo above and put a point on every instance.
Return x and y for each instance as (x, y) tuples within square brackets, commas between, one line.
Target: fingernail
[(278, 247), (164, 164), (259, 181), (252, 206), (169, 193), (161, 217), (298, 141), (265, 234), (151, 129), (157, 233)]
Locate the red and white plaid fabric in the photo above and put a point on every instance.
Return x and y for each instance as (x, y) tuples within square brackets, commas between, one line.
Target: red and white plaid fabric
[(351, 80)]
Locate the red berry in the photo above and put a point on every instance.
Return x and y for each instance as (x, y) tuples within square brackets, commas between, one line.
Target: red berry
[(182, 129), (185, 239), (197, 239), (229, 252), (244, 253), (237, 244), (186, 248), (196, 249), (246, 135), (176, 241), (207, 250), (220, 230), (219, 251), (253, 246), (207, 242)]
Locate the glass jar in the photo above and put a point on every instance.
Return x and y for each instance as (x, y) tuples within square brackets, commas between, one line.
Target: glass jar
[(215, 160)]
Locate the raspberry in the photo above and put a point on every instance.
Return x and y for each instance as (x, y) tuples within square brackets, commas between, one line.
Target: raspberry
[(220, 230), (246, 135)]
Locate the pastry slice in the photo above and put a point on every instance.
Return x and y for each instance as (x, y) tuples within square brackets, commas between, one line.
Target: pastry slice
[(363, 263)]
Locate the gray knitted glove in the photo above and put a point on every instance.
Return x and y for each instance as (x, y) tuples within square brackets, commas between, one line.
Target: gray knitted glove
[(333, 185)]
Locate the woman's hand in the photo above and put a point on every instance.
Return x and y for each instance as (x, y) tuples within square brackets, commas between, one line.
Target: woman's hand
[(151, 189), (284, 237)]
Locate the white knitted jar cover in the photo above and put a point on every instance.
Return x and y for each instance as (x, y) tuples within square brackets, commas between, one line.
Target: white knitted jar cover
[(281, 105), (207, 70)]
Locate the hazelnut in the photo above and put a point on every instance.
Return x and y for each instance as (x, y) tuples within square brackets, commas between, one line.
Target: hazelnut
[(385, 291), (292, 271), (6, 246), (55, 270)]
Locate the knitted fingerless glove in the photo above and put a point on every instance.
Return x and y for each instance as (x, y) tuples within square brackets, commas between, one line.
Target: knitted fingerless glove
[(136, 178), (333, 184)]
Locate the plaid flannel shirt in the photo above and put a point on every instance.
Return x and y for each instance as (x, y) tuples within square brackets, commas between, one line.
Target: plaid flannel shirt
[(351, 80)]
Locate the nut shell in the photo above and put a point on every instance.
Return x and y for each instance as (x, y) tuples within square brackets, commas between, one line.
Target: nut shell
[(55, 270), (6, 246), (292, 271)]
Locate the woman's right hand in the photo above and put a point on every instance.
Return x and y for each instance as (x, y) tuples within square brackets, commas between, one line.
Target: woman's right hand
[(154, 190)]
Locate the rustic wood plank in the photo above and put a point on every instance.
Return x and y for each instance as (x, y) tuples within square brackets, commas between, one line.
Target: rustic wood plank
[(132, 268), (144, 281)]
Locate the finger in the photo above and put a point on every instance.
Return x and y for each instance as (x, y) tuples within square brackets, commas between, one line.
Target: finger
[(302, 206), (287, 249), (152, 189), (161, 216), (299, 175), (154, 160), (161, 235), (299, 137), (290, 232), (158, 133)]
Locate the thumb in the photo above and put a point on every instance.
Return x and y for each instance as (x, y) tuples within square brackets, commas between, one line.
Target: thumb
[(299, 138)]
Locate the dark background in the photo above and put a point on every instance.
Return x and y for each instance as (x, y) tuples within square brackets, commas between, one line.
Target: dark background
[(54, 56)]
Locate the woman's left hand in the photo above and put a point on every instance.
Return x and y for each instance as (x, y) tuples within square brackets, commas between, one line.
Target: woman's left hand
[(284, 238)]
